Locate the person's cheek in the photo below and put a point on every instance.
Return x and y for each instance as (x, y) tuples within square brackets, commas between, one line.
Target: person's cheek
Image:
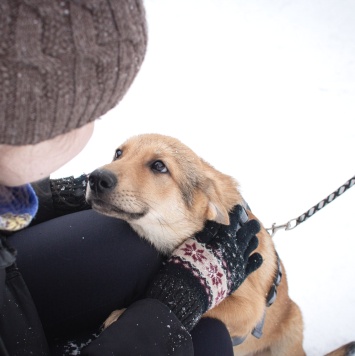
[(26, 164)]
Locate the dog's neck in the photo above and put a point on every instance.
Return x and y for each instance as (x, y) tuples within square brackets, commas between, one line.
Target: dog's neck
[(164, 238)]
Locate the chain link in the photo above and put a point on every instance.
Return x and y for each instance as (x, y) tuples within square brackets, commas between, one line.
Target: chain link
[(295, 222)]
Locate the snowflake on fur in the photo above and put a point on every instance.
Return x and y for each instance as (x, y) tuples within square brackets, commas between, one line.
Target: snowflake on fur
[(215, 274), (194, 252)]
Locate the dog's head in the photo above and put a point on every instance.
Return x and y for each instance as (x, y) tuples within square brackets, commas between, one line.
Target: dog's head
[(162, 189)]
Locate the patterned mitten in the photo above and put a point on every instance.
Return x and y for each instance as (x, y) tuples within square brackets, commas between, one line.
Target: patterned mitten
[(18, 206), (207, 268)]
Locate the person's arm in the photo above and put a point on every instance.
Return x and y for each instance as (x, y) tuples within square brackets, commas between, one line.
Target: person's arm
[(207, 268), (177, 298), (147, 327)]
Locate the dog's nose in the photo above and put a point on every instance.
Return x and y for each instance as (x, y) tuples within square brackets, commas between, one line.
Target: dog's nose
[(102, 181)]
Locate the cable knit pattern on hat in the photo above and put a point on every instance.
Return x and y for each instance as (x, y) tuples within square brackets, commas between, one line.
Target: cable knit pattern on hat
[(64, 63)]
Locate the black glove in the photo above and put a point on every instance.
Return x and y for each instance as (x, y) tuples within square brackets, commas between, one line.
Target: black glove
[(58, 197), (69, 193), (207, 268)]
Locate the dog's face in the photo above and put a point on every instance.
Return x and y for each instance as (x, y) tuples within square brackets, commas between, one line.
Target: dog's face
[(161, 188)]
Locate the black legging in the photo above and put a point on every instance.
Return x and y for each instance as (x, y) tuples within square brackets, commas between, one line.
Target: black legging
[(82, 266)]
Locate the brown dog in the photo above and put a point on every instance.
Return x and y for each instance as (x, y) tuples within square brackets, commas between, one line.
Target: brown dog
[(166, 193)]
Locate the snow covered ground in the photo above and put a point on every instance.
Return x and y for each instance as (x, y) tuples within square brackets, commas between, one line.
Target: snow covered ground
[(265, 91)]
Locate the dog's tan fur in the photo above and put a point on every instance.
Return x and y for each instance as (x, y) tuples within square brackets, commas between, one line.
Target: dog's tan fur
[(176, 205)]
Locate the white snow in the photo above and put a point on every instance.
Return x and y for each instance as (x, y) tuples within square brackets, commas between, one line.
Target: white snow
[(265, 91)]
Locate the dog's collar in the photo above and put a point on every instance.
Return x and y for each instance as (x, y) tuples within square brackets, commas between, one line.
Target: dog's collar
[(270, 299), (237, 340)]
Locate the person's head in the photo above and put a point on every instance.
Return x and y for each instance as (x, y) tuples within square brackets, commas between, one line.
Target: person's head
[(62, 65)]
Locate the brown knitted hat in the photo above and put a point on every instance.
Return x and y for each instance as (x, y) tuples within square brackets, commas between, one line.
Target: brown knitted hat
[(64, 63)]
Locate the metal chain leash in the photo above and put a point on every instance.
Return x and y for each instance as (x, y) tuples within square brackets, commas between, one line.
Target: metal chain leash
[(295, 222)]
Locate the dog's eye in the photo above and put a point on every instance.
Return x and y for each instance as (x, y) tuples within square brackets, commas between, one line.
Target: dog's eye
[(118, 154), (159, 166)]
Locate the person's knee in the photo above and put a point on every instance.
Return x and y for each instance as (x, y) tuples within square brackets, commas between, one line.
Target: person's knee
[(211, 338)]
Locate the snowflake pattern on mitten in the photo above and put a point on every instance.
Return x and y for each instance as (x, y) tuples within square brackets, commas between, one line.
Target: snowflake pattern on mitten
[(212, 275)]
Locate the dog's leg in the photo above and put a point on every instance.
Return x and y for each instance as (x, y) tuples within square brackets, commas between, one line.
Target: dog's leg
[(346, 350), (290, 341)]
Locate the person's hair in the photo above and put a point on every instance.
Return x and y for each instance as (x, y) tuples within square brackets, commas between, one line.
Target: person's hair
[(65, 63)]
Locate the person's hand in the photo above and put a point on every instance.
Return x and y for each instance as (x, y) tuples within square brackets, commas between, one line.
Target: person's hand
[(207, 268)]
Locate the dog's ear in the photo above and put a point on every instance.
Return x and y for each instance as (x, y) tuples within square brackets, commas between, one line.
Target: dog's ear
[(215, 210), (221, 191)]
